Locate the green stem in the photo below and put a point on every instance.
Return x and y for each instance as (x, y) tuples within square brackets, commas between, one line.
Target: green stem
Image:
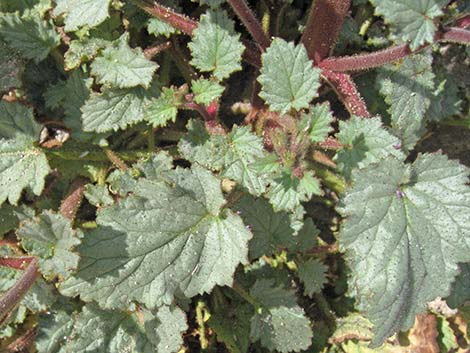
[(245, 295), (96, 155), (200, 308), (330, 179), (151, 140)]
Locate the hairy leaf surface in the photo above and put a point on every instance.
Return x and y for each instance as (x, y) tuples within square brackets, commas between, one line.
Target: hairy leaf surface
[(80, 13)]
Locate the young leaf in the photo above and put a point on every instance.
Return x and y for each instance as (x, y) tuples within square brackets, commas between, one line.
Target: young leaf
[(84, 49), (51, 238), (215, 47), (280, 324), (413, 20), (318, 122), (115, 109), (206, 91), (80, 13), (157, 27), (405, 232), (312, 274), (407, 88), (31, 37), (288, 77), (15, 119), (271, 230), (365, 142), (287, 191), (123, 67), (165, 108), (172, 235), (21, 166)]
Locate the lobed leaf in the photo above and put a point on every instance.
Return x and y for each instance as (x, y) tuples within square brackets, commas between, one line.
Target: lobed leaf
[(81, 13)]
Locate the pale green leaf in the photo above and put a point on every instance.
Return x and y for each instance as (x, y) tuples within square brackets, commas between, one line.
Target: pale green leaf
[(98, 195), (30, 7), (123, 67), (114, 109), (164, 109), (157, 27), (288, 78), (365, 141), (31, 37), (215, 47), (287, 191), (407, 88), (312, 274), (280, 324), (21, 166), (206, 91), (51, 238), (167, 335), (171, 236), (318, 122), (447, 338), (413, 20), (446, 100), (406, 228), (83, 50), (16, 118), (80, 13)]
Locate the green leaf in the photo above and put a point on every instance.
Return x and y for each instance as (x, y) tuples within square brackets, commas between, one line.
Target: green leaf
[(31, 7), (271, 230), (288, 78), (83, 50), (206, 91), (446, 100), (413, 20), (51, 238), (15, 119), (407, 88), (123, 67), (11, 69), (168, 332), (80, 13), (171, 235), (215, 47), (306, 238), (312, 274), (460, 288), (318, 122), (157, 27), (31, 37), (165, 108), (287, 191), (365, 142), (447, 339), (406, 229), (235, 155), (115, 332), (55, 327), (280, 324), (8, 219), (98, 195), (21, 166), (115, 109)]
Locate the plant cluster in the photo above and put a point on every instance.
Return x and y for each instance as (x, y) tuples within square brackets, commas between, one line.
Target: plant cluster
[(234, 176)]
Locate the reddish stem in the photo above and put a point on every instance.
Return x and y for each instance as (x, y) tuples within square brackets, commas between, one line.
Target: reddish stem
[(174, 19), (323, 26), (22, 343), (456, 35), (18, 263), (330, 144), (152, 51), (366, 61), (71, 203), (245, 14), (347, 91), (14, 295), (463, 21)]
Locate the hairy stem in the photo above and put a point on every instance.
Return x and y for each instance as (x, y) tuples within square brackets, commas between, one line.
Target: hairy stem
[(71, 203), (18, 263), (251, 23), (14, 295), (456, 35), (22, 343), (463, 21), (347, 92), (323, 26), (154, 50)]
